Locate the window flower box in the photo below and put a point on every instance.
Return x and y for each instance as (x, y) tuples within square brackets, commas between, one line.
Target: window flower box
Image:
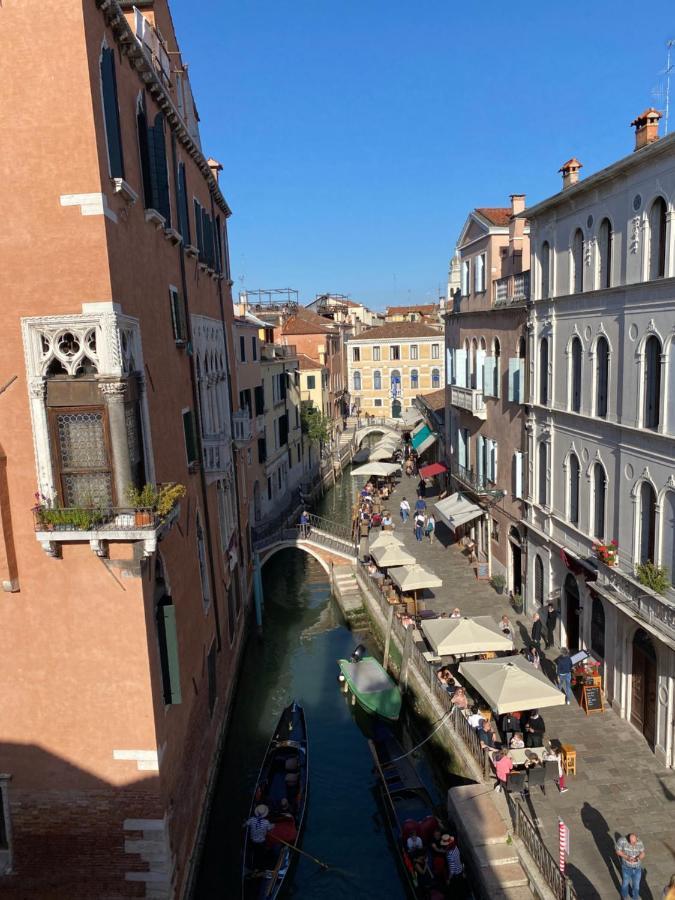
[(607, 552)]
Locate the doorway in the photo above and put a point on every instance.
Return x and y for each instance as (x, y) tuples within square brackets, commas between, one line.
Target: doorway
[(516, 561), (396, 409), (572, 613), (643, 690)]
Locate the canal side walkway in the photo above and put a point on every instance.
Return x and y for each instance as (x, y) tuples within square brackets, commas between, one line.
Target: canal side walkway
[(619, 786)]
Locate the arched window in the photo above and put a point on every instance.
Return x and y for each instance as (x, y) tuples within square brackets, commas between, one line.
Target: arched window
[(574, 489), (601, 377), (578, 262), (599, 501), (668, 532), (496, 375), (415, 378), (521, 348), (598, 628), (435, 378), (575, 373), (474, 364), (377, 380), (395, 383), (111, 115), (467, 363), (357, 381), (542, 461), (538, 580), (605, 253), (647, 522), (657, 239), (543, 371), (545, 270), (652, 382)]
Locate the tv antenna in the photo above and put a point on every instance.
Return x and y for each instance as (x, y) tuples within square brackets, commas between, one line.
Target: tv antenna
[(669, 46)]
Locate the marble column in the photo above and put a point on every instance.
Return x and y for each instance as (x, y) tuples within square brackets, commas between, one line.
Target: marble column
[(114, 394)]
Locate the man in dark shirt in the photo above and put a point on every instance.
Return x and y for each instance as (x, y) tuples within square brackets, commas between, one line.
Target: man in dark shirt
[(537, 629), (534, 730), (563, 668), (551, 620)]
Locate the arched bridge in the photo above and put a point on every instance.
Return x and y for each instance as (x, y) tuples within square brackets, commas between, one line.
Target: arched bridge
[(387, 429), (330, 543)]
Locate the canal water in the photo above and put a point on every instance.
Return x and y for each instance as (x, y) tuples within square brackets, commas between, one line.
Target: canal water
[(304, 635)]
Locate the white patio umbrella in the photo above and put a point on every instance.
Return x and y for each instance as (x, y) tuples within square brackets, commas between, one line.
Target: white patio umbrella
[(376, 469), (511, 683), (449, 637), (414, 578), (385, 539), (377, 454), (391, 555)]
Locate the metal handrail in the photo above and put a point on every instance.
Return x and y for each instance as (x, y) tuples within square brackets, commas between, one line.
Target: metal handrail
[(94, 518)]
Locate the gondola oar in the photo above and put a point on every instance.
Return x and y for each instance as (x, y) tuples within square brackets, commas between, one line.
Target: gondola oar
[(301, 852)]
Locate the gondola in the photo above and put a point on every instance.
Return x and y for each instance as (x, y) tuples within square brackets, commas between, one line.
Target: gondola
[(283, 778), (371, 686), (407, 807)]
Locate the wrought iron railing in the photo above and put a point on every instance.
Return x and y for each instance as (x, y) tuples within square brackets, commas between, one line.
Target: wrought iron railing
[(94, 518), (479, 483)]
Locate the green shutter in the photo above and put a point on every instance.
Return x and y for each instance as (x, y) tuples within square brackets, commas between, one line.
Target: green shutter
[(111, 114), (189, 433), (158, 167), (168, 640), (177, 316)]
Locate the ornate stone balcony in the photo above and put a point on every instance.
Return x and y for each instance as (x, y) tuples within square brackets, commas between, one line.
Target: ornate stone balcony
[(468, 399)]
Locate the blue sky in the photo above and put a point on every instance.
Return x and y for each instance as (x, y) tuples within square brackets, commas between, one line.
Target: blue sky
[(356, 135)]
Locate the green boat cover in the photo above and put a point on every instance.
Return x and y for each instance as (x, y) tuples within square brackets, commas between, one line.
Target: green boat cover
[(373, 688)]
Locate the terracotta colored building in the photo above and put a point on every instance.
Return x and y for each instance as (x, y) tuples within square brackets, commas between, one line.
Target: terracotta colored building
[(122, 626)]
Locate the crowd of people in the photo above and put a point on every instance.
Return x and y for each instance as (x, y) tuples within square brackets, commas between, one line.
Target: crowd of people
[(434, 861)]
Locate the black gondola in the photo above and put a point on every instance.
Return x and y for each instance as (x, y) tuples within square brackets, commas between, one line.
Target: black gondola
[(282, 789)]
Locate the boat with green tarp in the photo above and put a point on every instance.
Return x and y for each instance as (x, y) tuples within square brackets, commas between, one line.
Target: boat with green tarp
[(372, 687)]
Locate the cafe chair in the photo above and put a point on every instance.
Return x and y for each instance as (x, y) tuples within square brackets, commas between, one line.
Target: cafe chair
[(515, 782), (536, 777)]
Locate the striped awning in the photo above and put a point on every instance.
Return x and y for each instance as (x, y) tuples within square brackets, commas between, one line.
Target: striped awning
[(423, 438)]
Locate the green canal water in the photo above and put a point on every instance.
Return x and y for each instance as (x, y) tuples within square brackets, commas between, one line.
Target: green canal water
[(304, 635)]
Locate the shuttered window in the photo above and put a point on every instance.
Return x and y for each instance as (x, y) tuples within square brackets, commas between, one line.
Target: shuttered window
[(154, 169), (111, 114), (576, 375), (259, 400), (168, 651), (183, 213), (538, 580), (178, 316), (574, 489), (518, 475), (190, 437), (601, 376)]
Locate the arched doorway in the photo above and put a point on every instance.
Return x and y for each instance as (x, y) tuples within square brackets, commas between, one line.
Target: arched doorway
[(572, 613), (515, 543), (396, 409), (643, 688)]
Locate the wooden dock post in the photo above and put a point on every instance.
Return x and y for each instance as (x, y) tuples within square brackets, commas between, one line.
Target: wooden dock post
[(387, 640)]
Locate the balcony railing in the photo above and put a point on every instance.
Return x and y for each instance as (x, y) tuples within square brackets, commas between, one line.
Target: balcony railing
[(241, 421), (216, 457), (478, 483), (511, 289), (468, 399), (278, 351)]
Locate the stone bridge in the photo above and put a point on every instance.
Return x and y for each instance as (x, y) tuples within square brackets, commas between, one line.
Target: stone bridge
[(330, 543), (388, 429)]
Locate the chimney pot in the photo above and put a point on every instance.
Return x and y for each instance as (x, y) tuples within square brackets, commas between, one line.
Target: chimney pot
[(215, 166), (570, 172), (646, 127)]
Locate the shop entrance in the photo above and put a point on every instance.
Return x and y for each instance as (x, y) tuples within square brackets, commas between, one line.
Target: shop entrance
[(643, 692), (516, 561)]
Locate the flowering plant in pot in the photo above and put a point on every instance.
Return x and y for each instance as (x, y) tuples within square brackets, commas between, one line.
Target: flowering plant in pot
[(498, 583), (607, 552), (152, 501)]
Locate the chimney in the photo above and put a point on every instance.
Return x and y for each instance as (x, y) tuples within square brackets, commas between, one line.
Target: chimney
[(215, 166), (570, 172), (516, 226), (646, 127)]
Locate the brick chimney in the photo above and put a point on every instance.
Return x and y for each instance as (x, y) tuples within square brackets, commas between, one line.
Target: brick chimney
[(646, 127), (570, 172), (215, 166), (516, 226)]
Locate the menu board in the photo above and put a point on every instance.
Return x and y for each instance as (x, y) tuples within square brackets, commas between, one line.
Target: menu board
[(592, 700)]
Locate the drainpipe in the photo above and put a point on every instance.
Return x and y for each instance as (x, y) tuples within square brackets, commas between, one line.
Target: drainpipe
[(195, 403)]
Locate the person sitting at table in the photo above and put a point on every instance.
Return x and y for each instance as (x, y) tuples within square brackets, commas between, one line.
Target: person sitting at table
[(456, 614), (517, 742), (476, 718), (459, 699), (551, 755), (534, 730), (488, 736), (505, 626), (372, 568), (387, 522), (503, 765), (534, 657), (376, 520), (508, 726)]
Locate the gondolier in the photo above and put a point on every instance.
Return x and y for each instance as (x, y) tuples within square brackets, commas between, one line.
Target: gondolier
[(259, 826)]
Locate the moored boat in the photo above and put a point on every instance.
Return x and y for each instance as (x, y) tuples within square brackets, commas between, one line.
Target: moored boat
[(372, 687), (280, 799)]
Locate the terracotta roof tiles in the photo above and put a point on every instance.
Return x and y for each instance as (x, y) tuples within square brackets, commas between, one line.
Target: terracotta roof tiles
[(496, 215), (398, 330)]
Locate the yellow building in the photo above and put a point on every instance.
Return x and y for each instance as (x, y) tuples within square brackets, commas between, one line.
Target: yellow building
[(388, 366), (313, 383)]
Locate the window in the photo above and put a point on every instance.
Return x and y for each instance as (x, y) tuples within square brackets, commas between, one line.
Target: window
[(167, 638), (538, 580), (395, 383), (647, 522), (657, 239), (668, 535), (211, 677), (254, 348), (205, 236), (394, 352), (376, 354), (414, 351), (598, 628), (466, 276), (652, 382), (245, 401), (574, 489), (479, 274), (190, 437), (577, 262), (111, 115), (201, 556), (357, 381), (599, 501), (575, 375), (435, 378), (414, 379), (435, 351), (80, 438), (262, 449), (377, 380), (543, 371), (601, 377), (242, 348), (356, 354), (545, 270), (605, 253), (491, 460), (259, 393), (283, 430), (542, 464), (311, 382), (518, 475), (378, 401), (153, 164), (269, 488), (178, 316), (183, 213), (496, 353)]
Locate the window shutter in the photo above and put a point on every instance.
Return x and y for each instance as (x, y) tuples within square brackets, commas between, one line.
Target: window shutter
[(111, 114), (178, 316), (460, 368), (449, 370), (189, 435), (160, 171), (480, 444), (461, 448), (514, 380), (183, 214), (168, 651), (199, 233), (518, 473), (480, 362), (489, 367)]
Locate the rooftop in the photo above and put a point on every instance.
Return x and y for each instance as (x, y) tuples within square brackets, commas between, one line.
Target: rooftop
[(306, 362), (496, 215), (424, 309), (397, 330), (435, 400)]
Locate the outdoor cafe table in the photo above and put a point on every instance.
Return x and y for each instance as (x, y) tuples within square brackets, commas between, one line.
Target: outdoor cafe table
[(518, 757)]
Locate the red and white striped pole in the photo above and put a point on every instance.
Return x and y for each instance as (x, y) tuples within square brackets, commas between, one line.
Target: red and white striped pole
[(563, 844)]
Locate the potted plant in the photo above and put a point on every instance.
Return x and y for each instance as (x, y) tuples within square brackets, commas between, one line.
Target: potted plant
[(168, 496), (653, 577), (517, 602), (144, 501), (498, 582), (607, 553)]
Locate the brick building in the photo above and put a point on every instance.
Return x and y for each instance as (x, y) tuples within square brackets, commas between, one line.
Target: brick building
[(122, 626)]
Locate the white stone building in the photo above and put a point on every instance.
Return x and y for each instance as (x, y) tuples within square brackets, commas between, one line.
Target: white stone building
[(601, 422)]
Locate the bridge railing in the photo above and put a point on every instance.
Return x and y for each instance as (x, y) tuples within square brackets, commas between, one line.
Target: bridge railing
[(329, 534)]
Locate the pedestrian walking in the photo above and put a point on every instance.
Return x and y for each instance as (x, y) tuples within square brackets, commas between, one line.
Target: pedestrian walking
[(304, 524), (551, 620), (404, 508), (534, 658), (563, 667), (422, 488), (537, 629), (419, 526), (631, 852), (420, 504), (430, 528)]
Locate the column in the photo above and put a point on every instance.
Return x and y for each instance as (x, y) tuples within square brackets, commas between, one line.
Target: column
[(114, 395)]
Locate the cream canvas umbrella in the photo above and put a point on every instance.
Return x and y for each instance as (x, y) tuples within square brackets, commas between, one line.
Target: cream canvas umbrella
[(414, 578), (450, 637), (377, 454), (376, 469), (385, 539), (511, 683), (391, 555)]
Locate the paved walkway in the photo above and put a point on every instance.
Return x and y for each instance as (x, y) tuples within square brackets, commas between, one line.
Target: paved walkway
[(619, 787)]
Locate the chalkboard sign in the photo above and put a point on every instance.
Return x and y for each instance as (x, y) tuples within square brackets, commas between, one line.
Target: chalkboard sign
[(592, 700), (483, 570)]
